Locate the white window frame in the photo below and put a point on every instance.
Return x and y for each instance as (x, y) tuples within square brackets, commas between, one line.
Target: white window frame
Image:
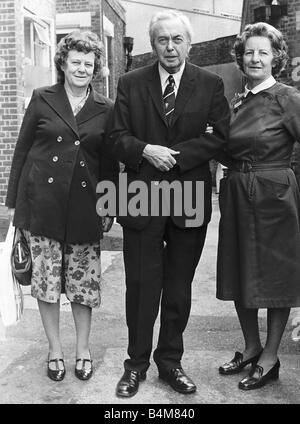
[(109, 32), (68, 22), (40, 19)]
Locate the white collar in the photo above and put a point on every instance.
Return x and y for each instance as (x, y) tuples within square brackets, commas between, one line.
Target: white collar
[(269, 82), (164, 75)]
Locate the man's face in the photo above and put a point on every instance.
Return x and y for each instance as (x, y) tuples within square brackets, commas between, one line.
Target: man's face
[(171, 44)]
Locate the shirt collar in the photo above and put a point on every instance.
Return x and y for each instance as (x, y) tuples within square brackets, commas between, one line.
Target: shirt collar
[(269, 82), (164, 75)]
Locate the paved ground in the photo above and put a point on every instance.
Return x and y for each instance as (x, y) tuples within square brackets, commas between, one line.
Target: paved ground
[(212, 335)]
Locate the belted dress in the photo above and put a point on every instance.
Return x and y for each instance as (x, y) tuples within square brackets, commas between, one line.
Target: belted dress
[(258, 260)]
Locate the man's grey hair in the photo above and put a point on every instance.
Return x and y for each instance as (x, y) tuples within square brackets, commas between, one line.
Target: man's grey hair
[(170, 14)]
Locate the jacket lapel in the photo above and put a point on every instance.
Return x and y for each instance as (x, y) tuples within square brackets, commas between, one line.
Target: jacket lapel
[(57, 99), (186, 89), (154, 88), (93, 106)]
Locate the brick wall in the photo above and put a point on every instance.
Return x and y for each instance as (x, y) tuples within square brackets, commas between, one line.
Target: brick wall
[(212, 52), (248, 10), (10, 88), (64, 6), (202, 54)]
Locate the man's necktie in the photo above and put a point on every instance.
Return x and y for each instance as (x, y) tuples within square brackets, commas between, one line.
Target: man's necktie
[(169, 99)]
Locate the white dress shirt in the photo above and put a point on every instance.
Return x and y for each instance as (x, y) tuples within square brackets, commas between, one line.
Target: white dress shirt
[(164, 75)]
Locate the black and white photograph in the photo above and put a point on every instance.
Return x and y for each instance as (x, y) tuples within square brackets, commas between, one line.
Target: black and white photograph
[(149, 205)]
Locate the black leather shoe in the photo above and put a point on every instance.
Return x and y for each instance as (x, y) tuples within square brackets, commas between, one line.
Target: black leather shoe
[(84, 373), (129, 384), (178, 380), (237, 364), (58, 374), (256, 379)]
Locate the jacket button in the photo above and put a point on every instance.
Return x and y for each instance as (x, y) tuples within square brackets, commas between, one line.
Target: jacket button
[(83, 183), (82, 163), (156, 183), (59, 139), (55, 158), (77, 142), (50, 180)]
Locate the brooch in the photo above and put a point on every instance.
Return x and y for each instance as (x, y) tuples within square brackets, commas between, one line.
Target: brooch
[(237, 101)]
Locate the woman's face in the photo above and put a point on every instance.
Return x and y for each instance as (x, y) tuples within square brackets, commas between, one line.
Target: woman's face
[(79, 68), (258, 60)]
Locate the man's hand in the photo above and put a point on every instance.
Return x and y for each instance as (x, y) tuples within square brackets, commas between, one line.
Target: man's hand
[(160, 156)]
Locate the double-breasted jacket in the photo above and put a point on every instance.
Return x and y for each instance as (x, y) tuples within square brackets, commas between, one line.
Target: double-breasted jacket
[(58, 160)]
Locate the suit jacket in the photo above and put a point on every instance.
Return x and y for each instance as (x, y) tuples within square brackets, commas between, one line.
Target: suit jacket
[(139, 119), (57, 163)]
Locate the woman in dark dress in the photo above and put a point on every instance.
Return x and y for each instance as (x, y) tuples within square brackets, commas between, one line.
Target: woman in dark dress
[(259, 238)]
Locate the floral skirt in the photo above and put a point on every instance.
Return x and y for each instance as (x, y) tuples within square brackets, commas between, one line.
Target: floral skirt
[(73, 269)]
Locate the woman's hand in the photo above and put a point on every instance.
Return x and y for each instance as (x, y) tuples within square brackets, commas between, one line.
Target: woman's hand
[(107, 223), (11, 213)]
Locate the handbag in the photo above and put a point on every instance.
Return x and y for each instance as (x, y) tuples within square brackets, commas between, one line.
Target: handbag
[(11, 296), (21, 262)]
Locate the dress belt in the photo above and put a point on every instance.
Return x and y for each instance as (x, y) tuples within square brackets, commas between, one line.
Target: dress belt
[(245, 166)]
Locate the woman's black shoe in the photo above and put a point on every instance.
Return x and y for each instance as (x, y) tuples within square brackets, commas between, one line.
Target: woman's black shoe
[(58, 374), (84, 373), (256, 379), (237, 364)]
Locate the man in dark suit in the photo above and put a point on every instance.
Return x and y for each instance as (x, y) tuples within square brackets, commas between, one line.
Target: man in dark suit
[(159, 133)]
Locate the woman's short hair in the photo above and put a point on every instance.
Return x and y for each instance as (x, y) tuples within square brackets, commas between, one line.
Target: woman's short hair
[(82, 41), (170, 14), (262, 29)]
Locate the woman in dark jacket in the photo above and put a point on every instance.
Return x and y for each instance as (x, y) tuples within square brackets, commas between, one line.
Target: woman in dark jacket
[(59, 157), (259, 234)]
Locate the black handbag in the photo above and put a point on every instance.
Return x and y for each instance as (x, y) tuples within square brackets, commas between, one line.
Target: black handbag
[(21, 262)]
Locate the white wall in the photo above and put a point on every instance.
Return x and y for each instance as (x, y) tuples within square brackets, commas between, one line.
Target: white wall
[(213, 6), (207, 26)]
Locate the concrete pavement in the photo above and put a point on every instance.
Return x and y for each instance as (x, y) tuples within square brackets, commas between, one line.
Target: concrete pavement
[(211, 337)]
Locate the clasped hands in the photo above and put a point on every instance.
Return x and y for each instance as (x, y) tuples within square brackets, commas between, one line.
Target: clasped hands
[(160, 156), (163, 157)]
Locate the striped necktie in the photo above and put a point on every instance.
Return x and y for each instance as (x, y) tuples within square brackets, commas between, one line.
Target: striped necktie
[(169, 99)]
